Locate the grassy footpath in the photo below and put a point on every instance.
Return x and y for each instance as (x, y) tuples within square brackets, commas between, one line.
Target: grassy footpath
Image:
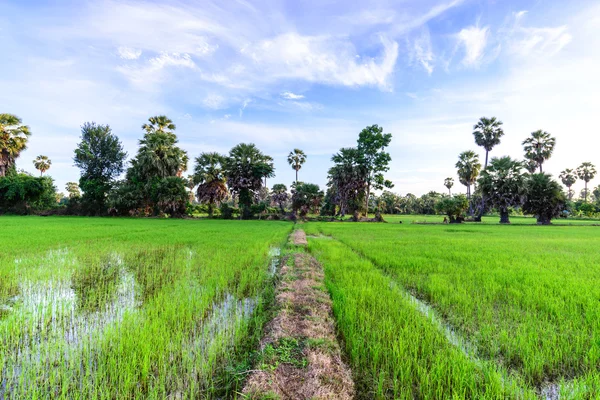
[(395, 351), (119, 308), (526, 297)]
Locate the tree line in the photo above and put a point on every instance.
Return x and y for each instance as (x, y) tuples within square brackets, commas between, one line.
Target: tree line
[(232, 185)]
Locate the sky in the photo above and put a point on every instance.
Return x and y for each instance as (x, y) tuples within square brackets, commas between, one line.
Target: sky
[(306, 74)]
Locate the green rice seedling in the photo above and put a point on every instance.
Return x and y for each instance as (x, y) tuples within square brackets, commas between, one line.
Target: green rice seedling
[(162, 318), (394, 350), (526, 297)]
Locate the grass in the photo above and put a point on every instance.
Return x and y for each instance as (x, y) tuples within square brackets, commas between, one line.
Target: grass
[(148, 308), (526, 297), (124, 308)]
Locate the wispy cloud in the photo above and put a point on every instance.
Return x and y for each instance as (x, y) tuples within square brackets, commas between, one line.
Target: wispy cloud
[(128, 53), (291, 96), (421, 52), (474, 41)]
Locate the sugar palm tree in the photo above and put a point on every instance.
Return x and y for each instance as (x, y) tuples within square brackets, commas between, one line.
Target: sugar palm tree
[(487, 133), (209, 174), (13, 140), (539, 147), (159, 123), (568, 178), (449, 182), (468, 166), (296, 159), (42, 164), (586, 172)]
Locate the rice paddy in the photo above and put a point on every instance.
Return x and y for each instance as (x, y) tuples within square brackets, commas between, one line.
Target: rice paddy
[(149, 308)]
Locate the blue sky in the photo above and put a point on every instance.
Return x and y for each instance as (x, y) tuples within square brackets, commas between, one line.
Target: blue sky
[(286, 74)]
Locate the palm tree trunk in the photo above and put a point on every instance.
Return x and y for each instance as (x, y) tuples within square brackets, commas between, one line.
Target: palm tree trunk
[(296, 176), (586, 191), (486, 159), (541, 172), (469, 199), (504, 216)]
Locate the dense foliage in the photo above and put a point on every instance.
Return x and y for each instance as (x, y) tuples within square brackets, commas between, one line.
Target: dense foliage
[(101, 159)]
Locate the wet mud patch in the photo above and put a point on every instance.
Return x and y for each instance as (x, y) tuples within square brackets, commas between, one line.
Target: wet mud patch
[(299, 356)]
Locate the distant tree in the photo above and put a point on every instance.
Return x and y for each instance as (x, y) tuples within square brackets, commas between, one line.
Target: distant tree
[(296, 159), (101, 159), (453, 207), (544, 198), (487, 133), (596, 194), (539, 147), (245, 168), (449, 182), (306, 197), (530, 165), (347, 181), (371, 149), (586, 172), (568, 178), (280, 196), (468, 167), (42, 164), (503, 183), (210, 177), (22, 193), (73, 190), (13, 140)]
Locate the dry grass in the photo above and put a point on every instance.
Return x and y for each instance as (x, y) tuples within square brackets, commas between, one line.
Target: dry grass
[(301, 358)]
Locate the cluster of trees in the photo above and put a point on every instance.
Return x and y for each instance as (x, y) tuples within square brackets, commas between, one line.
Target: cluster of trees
[(505, 183), (235, 184)]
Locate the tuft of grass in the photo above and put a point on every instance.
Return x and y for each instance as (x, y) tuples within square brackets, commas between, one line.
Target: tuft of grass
[(286, 350)]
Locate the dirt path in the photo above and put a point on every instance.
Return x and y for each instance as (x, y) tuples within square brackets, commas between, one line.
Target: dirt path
[(300, 357)]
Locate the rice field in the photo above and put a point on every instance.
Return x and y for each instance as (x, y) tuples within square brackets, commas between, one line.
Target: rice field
[(118, 308), (521, 304), (148, 308)]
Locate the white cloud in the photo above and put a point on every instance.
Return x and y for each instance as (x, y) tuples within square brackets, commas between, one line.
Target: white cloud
[(153, 71), (243, 107), (524, 41), (214, 101), (291, 96), (474, 41), (321, 59), (129, 53), (421, 52)]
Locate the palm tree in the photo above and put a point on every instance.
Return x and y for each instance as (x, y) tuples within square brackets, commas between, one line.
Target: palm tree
[(586, 172), (159, 123), (159, 156), (568, 178), (13, 140), (487, 132), (73, 190), (245, 168), (530, 165), (449, 182), (42, 164), (208, 173), (539, 147), (503, 184), (296, 158), (468, 166)]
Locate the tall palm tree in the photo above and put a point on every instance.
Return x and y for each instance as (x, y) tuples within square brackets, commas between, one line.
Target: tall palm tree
[(159, 123), (539, 147), (42, 164), (296, 159), (568, 178), (245, 168), (586, 172), (468, 166), (449, 182), (487, 133), (209, 174), (13, 140)]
